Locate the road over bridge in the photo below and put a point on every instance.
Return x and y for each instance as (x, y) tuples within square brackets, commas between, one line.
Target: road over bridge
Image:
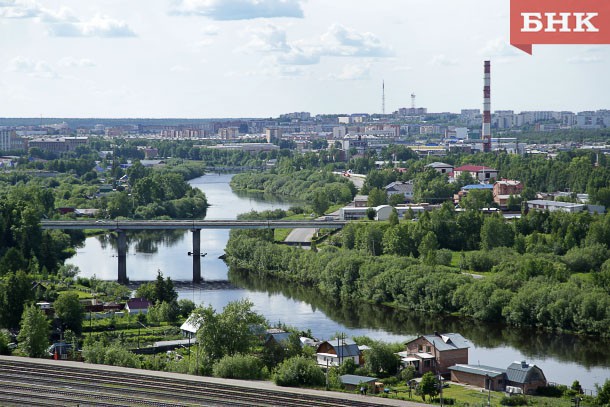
[(194, 225)]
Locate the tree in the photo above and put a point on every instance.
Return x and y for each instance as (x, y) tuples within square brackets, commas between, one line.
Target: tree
[(4, 341), (15, 291), (603, 393), (495, 232), (235, 330), (393, 219), (396, 199), (377, 197), (428, 386), (299, 371), (34, 334), (381, 359), (320, 203), (428, 247), (243, 367), (186, 307), (70, 311)]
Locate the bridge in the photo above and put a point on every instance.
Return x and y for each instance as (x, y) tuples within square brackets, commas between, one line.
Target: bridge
[(195, 226)]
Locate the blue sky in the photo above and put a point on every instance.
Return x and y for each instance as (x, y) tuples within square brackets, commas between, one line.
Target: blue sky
[(260, 58)]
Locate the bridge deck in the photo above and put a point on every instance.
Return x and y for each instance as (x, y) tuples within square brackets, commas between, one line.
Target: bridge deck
[(189, 224)]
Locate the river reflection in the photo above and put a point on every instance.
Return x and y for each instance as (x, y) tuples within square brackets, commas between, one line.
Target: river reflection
[(563, 358), (570, 348)]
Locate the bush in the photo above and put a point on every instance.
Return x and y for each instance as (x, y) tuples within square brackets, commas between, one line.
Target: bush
[(298, 371), (244, 367), (4, 341), (551, 391), (514, 401), (443, 257)]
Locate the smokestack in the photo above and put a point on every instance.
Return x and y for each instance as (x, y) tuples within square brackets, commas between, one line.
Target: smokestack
[(486, 130)]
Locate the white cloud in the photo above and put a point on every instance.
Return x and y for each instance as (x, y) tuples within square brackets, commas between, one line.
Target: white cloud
[(31, 67), (98, 26), (19, 9), (337, 41), (499, 47), (355, 71), (442, 60), (238, 9), (211, 30), (63, 22), (268, 38), (344, 41), (70, 62)]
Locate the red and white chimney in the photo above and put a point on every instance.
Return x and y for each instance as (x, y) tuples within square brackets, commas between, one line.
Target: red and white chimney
[(486, 130)]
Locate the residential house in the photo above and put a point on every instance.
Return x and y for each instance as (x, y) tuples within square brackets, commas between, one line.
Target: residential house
[(519, 375), (353, 382), (404, 188), (190, 327), (441, 167), (478, 172), (502, 191), (472, 187), (276, 336), (361, 201), (336, 351), (487, 377), (137, 306), (525, 376), (436, 353)]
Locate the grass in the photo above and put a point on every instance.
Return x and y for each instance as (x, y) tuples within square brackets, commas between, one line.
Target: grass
[(471, 396), (466, 396)]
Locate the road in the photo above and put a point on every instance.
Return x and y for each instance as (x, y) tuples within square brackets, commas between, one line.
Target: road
[(301, 235)]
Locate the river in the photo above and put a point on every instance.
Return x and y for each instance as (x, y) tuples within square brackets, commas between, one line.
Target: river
[(563, 358)]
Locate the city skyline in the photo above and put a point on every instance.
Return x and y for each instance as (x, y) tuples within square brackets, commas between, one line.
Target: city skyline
[(246, 58)]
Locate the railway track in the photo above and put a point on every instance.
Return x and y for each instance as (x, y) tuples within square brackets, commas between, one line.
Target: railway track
[(33, 384)]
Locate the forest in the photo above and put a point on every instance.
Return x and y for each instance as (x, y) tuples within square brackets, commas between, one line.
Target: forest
[(547, 270)]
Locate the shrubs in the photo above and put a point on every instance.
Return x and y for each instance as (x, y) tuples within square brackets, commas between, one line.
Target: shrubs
[(299, 371), (239, 367), (114, 355), (517, 400)]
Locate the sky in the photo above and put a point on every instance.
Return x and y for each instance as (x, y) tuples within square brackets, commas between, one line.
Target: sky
[(261, 58)]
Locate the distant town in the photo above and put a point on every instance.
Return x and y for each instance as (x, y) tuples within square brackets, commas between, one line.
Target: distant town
[(414, 127)]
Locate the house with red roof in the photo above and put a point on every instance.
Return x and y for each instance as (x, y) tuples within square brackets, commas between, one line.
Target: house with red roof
[(478, 172), (137, 306)]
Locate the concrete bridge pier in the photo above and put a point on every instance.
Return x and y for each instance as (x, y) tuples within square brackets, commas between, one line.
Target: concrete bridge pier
[(122, 248), (196, 255)]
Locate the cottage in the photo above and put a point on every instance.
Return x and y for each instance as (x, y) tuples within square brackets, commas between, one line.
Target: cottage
[(190, 327), (436, 353), (487, 377), (275, 336), (353, 382), (404, 188), (519, 377), (525, 376), (137, 306), (502, 191), (478, 172), (337, 351), (441, 167)]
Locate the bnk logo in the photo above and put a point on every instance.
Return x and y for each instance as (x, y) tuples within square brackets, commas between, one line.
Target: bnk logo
[(559, 22)]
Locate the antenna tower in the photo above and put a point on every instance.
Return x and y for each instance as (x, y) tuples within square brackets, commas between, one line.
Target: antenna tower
[(413, 101), (383, 97)]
